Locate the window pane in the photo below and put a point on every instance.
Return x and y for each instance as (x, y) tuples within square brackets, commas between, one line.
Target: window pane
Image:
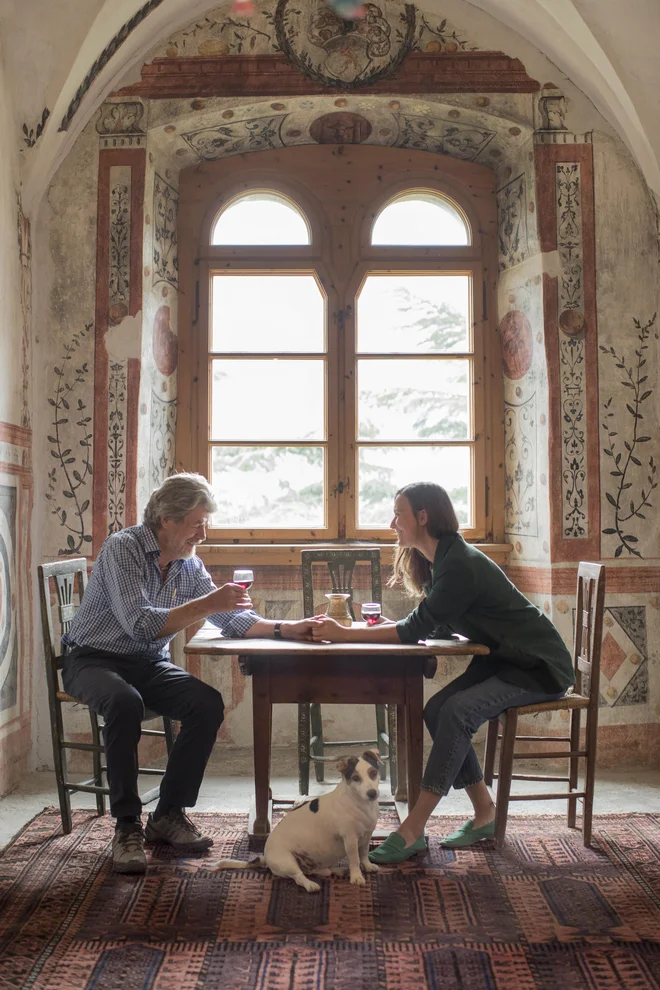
[(267, 400), (260, 218), (413, 400), (253, 313), (383, 470), (273, 487), (420, 219), (414, 314)]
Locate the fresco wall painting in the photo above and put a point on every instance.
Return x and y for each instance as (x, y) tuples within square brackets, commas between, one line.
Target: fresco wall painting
[(173, 118), (117, 376), (16, 643)]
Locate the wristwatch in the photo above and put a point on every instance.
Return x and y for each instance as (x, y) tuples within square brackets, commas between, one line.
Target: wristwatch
[(277, 631)]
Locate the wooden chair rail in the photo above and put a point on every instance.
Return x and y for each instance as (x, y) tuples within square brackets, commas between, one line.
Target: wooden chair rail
[(69, 578), (590, 605)]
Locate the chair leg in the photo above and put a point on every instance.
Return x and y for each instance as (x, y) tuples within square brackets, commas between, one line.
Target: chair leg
[(589, 775), (381, 732), (170, 734), (489, 755), (505, 772), (59, 761), (317, 736), (401, 791), (96, 761), (573, 766), (394, 748), (303, 749)]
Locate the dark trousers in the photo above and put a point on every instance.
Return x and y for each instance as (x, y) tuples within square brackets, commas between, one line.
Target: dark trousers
[(454, 714), (119, 688)]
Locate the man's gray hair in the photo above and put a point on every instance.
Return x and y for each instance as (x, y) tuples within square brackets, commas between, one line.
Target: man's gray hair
[(176, 497)]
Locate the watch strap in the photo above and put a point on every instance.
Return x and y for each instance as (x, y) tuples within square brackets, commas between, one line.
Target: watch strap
[(277, 631)]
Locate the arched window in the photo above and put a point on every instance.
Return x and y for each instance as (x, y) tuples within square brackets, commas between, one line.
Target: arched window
[(418, 218), (260, 218), (328, 358)]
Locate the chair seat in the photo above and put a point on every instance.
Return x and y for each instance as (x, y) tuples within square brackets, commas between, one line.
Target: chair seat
[(562, 704), (63, 696)]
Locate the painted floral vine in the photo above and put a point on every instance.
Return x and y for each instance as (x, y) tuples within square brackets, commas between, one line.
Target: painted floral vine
[(626, 501), (68, 464)]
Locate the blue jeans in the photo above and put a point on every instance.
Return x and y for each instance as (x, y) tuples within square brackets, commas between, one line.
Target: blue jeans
[(454, 714)]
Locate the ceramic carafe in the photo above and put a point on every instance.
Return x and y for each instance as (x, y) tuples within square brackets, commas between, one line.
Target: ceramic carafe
[(338, 608)]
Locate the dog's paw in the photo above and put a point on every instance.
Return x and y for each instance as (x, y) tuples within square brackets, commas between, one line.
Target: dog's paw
[(370, 867), (358, 879), (311, 887)]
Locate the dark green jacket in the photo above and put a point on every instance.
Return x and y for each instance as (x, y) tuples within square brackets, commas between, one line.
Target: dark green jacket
[(471, 596)]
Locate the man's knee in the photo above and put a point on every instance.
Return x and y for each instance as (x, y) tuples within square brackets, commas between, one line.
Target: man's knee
[(209, 706), (125, 706)]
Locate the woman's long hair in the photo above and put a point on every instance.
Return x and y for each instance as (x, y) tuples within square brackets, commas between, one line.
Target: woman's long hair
[(411, 568)]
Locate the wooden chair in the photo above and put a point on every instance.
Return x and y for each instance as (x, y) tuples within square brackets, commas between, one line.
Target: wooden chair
[(311, 743), (583, 697), (65, 575)]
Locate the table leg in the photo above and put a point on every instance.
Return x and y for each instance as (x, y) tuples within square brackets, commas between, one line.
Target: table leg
[(262, 714), (414, 720)]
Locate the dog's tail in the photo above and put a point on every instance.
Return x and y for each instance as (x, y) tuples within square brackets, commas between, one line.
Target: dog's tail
[(241, 864)]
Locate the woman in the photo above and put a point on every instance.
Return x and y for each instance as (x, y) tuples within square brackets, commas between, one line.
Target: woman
[(465, 593)]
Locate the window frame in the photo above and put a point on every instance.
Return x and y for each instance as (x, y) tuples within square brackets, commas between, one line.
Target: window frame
[(198, 264)]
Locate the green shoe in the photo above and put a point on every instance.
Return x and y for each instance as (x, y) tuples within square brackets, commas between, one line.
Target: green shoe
[(394, 849), (467, 835)]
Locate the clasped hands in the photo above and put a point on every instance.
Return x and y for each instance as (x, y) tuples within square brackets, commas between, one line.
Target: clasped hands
[(233, 597)]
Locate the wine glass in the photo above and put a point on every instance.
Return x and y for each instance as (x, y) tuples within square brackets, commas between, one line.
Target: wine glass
[(244, 577), (371, 612)]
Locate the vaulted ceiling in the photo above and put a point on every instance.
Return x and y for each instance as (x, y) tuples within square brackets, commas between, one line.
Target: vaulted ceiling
[(48, 50)]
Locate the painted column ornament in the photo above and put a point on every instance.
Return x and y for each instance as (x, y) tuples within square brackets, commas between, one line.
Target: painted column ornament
[(572, 366), (552, 107)]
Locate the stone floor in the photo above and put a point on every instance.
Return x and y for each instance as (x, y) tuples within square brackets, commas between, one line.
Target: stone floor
[(228, 786)]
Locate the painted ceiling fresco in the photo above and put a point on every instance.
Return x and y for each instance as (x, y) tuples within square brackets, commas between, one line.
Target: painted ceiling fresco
[(318, 41), (215, 129)]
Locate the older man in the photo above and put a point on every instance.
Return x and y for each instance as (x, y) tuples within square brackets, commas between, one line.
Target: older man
[(148, 584)]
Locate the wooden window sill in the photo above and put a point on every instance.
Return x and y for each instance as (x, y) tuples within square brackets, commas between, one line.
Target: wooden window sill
[(288, 555)]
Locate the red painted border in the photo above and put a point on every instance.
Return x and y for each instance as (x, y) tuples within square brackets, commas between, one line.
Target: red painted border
[(138, 162), (563, 580), (547, 156), (265, 75), (136, 159), (21, 436)]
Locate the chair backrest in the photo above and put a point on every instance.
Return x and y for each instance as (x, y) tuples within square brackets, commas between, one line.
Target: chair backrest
[(55, 621), (341, 564), (590, 608)]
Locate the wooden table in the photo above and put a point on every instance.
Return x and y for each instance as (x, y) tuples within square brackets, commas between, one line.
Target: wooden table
[(285, 672)]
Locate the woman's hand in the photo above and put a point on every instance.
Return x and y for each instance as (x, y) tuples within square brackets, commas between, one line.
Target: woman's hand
[(327, 629)]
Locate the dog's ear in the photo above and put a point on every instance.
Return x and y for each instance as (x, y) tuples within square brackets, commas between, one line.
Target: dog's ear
[(372, 757), (346, 765)]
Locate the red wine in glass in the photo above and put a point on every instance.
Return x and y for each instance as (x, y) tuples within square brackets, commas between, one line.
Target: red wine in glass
[(243, 577), (371, 612)]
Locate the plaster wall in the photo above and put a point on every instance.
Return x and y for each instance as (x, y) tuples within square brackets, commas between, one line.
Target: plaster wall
[(15, 462), (11, 374)]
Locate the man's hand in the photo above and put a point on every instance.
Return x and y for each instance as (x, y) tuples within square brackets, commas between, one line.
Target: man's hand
[(300, 630), (324, 628), (229, 598)]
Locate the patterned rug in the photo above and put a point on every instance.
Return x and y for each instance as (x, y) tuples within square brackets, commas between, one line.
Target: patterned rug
[(543, 914)]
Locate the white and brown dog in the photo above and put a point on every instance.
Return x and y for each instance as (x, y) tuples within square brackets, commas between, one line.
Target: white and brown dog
[(315, 835)]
